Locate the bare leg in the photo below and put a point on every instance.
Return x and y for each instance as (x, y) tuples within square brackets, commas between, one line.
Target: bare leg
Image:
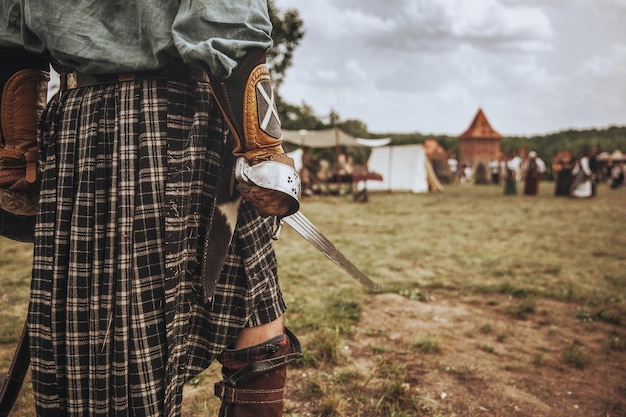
[(251, 336)]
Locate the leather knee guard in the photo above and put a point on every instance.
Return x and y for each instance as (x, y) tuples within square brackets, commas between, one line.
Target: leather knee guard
[(254, 377)]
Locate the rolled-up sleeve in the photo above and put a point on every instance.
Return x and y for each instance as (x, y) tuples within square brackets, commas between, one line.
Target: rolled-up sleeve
[(217, 33), (10, 25)]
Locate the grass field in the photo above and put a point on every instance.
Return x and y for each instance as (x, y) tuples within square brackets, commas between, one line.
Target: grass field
[(466, 245)]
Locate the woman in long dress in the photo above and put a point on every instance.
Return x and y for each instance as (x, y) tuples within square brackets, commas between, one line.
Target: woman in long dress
[(533, 168), (582, 186), (510, 180)]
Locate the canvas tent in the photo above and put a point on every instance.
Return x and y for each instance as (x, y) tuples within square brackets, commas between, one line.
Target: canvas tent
[(328, 138), (325, 138), (296, 155), (404, 168)]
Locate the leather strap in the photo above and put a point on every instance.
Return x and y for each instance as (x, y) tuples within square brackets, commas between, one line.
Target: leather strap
[(182, 73), (233, 395), (268, 364), (12, 382)]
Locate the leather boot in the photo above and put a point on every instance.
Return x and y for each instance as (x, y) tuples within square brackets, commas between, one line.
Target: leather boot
[(254, 377)]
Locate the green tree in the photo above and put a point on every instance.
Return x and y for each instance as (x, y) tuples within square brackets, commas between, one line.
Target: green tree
[(295, 117), (354, 127), (288, 31)]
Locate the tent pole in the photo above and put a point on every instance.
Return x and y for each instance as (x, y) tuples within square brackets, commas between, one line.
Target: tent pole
[(337, 151), (389, 170)]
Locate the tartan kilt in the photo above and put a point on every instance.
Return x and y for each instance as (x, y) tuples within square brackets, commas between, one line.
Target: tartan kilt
[(117, 317)]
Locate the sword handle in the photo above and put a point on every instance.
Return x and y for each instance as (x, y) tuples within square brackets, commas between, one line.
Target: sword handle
[(278, 226)]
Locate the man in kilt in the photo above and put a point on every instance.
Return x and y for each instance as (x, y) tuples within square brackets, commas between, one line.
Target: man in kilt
[(150, 259)]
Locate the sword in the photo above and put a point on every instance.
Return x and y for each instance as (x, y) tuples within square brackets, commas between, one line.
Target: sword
[(307, 230)]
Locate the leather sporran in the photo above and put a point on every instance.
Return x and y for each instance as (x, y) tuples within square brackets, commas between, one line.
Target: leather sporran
[(23, 99)]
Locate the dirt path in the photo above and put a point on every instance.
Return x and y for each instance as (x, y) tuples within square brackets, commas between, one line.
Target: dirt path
[(489, 363)]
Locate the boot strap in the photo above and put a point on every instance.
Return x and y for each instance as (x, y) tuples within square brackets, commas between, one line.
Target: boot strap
[(267, 365), (233, 395), (261, 367), (226, 389)]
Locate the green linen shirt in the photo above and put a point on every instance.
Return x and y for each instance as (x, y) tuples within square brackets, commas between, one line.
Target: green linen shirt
[(100, 37)]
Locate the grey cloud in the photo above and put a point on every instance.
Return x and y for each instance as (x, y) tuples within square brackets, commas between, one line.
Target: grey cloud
[(431, 25), (518, 57), (441, 31)]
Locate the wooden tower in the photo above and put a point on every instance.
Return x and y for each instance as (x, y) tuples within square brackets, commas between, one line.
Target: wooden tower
[(480, 143)]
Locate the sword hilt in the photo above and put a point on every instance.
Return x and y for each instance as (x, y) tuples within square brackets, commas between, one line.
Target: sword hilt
[(278, 226)]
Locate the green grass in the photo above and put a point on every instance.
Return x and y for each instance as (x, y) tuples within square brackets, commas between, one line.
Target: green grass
[(427, 345), (466, 242)]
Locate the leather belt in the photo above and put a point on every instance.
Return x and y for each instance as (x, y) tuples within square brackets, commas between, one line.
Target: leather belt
[(182, 73)]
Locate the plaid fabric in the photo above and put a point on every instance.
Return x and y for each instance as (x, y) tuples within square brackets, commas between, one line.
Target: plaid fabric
[(117, 321)]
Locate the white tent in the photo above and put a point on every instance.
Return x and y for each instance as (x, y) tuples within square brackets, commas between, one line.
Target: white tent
[(404, 168), (296, 155)]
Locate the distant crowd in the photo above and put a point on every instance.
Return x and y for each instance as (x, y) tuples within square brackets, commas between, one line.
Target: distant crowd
[(575, 177)]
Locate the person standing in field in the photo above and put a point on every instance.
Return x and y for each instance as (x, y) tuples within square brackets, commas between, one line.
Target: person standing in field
[(494, 168), (562, 165), (149, 263), (594, 167), (453, 163), (582, 177), (532, 170), (616, 178), (512, 166), (307, 172)]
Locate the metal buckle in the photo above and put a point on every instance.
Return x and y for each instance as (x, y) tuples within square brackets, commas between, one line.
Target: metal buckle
[(126, 76)]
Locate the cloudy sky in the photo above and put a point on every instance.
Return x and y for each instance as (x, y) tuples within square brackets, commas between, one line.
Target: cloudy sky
[(533, 66)]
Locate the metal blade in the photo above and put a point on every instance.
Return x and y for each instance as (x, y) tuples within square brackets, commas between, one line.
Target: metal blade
[(307, 230)]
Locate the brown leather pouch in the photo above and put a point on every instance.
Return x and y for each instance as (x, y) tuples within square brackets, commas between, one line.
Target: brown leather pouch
[(23, 100)]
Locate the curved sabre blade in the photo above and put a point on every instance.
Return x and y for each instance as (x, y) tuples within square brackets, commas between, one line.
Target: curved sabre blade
[(307, 230)]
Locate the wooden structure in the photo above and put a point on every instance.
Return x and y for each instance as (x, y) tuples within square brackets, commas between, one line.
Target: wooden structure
[(479, 144)]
